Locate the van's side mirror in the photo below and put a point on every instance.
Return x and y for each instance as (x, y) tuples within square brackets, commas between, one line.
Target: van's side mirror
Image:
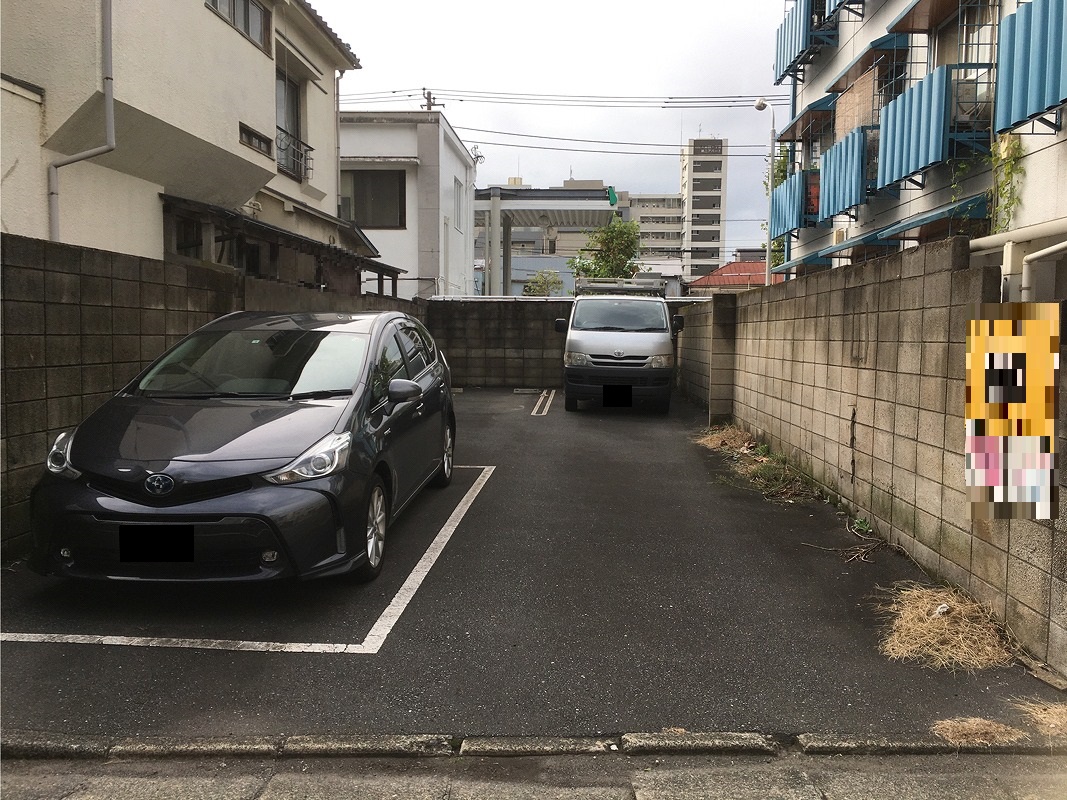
[(561, 326), (677, 322)]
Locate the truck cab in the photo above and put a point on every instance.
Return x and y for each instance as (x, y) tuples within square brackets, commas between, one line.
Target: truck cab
[(620, 345)]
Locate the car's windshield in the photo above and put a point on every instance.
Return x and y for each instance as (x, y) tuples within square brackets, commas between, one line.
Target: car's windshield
[(619, 314), (259, 363)]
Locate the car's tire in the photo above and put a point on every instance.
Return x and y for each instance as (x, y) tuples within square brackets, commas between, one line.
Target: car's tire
[(375, 525), (443, 476), (570, 403)]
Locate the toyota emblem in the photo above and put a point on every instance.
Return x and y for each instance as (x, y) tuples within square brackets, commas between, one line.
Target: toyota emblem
[(159, 484), (620, 353)]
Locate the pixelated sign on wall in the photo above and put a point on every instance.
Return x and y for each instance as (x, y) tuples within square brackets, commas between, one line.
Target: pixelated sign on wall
[(1012, 396)]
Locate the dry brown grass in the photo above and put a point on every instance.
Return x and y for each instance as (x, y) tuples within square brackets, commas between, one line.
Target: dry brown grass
[(1050, 719), (942, 628), (976, 732), (768, 472)]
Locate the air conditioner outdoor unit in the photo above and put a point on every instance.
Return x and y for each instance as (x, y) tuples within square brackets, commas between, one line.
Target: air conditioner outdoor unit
[(840, 235)]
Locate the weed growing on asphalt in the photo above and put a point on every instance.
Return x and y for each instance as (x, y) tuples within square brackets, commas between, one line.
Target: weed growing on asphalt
[(768, 472)]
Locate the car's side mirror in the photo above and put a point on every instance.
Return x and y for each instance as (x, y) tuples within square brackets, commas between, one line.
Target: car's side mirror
[(561, 326), (402, 390), (677, 322)]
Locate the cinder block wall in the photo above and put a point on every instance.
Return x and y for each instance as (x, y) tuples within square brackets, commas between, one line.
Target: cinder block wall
[(706, 355), (857, 375), (509, 343), (78, 324)]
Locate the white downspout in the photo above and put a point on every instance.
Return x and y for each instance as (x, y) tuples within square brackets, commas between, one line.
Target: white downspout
[(106, 45), (1026, 292)]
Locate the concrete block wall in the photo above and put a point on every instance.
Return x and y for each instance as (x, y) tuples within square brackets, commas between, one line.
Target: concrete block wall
[(501, 343), (706, 355), (78, 324), (857, 376)]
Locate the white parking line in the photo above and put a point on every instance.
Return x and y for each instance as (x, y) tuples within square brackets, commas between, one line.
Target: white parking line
[(546, 398), (371, 645)]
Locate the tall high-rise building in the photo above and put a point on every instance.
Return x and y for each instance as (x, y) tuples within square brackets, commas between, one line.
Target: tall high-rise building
[(703, 205)]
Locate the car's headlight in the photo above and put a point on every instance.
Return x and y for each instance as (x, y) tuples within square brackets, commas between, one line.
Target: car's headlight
[(661, 362), (58, 461), (325, 457), (575, 359)]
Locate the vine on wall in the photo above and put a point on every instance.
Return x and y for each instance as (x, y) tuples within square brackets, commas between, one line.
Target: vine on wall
[(1007, 169)]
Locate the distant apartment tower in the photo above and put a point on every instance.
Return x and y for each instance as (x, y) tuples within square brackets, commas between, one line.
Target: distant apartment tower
[(659, 217), (703, 205)]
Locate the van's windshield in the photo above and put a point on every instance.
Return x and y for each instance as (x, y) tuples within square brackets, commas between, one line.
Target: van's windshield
[(619, 314)]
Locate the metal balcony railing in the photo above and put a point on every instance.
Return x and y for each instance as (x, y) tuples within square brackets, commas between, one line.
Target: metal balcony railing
[(293, 156)]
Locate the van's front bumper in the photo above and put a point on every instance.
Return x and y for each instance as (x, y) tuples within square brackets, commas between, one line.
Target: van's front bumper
[(587, 383)]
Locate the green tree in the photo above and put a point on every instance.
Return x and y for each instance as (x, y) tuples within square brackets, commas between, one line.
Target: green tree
[(543, 283), (613, 251)]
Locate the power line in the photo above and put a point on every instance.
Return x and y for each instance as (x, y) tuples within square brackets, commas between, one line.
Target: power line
[(563, 100), (598, 141), (672, 154)]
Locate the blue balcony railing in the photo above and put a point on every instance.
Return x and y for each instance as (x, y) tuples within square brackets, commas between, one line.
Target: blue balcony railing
[(914, 130), (806, 28), (844, 181), (1031, 63), (795, 203)]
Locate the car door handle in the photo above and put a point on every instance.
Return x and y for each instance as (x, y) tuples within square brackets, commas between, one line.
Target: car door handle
[(419, 408)]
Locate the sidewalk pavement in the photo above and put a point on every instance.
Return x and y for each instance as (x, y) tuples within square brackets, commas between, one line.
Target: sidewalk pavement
[(630, 767)]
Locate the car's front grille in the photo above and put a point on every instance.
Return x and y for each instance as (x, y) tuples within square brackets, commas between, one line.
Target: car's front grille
[(135, 492)]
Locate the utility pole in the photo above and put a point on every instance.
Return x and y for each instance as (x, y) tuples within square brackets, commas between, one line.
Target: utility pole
[(430, 102)]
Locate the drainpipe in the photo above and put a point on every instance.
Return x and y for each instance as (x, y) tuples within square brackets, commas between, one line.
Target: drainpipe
[(1026, 292), (1015, 263), (109, 123)]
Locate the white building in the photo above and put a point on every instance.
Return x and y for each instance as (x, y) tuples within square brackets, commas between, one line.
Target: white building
[(207, 133), (703, 205), (659, 217), (408, 181), (918, 119)]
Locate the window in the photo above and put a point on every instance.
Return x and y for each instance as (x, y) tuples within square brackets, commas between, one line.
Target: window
[(415, 349), (189, 237), (256, 140), (703, 201), (376, 198), (293, 155), (389, 365), (458, 204), (707, 184), (247, 16), (707, 219), (707, 166)]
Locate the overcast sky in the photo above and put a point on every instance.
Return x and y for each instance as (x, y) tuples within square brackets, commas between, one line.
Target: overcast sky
[(711, 48)]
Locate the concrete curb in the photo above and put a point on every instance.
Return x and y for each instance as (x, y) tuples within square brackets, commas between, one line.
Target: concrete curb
[(822, 744), (676, 743), (498, 746), (47, 745)]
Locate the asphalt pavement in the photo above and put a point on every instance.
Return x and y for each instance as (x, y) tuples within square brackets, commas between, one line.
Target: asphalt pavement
[(596, 577)]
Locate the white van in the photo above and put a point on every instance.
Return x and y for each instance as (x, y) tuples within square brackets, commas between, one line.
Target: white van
[(619, 350)]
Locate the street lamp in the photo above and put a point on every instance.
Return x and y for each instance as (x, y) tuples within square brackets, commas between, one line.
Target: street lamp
[(759, 106)]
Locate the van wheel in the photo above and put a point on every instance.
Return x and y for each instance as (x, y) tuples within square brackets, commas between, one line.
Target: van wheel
[(570, 403)]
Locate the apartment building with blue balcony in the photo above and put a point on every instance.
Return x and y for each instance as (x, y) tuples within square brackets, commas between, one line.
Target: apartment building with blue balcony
[(914, 120)]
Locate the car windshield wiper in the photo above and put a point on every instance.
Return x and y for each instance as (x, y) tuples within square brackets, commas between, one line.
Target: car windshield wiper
[(213, 395), (658, 328), (604, 328), (321, 394)]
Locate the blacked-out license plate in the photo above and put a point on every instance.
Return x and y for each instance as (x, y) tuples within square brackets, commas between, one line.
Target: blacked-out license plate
[(155, 543)]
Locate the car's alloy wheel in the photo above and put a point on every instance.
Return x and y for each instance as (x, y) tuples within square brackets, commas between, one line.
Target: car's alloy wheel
[(377, 522), (444, 472)]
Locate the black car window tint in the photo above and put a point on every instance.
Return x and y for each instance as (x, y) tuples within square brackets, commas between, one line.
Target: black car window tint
[(388, 365), (414, 349)]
